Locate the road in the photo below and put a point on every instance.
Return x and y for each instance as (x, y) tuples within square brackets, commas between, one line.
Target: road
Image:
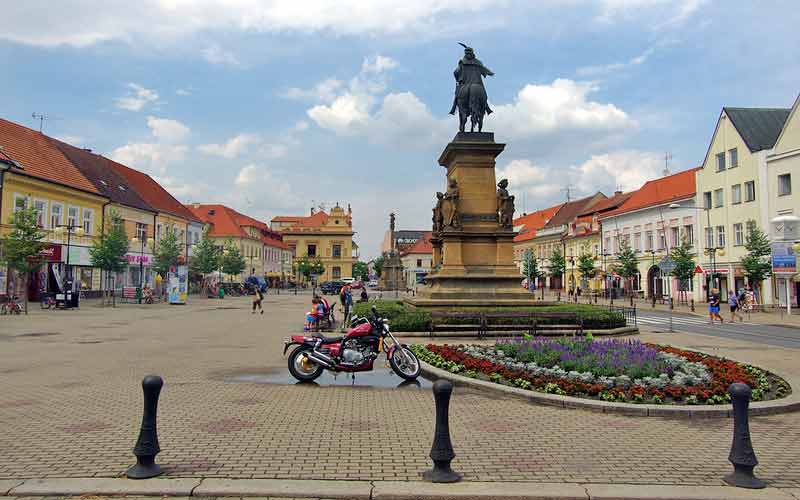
[(746, 331)]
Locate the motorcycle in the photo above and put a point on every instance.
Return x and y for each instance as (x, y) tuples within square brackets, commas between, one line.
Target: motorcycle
[(355, 351)]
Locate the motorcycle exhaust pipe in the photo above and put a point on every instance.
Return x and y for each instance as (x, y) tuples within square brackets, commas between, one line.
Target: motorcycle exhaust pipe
[(320, 359)]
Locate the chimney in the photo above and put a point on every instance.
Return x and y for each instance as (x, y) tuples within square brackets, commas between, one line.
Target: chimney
[(312, 210), (617, 193)]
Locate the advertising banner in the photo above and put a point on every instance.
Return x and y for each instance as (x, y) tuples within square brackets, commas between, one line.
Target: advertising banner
[(178, 285), (51, 253), (784, 260), (79, 256)]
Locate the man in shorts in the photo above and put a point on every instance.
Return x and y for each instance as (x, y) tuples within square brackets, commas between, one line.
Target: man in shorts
[(713, 306), (733, 303)]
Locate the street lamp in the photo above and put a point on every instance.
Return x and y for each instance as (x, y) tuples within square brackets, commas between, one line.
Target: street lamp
[(149, 241), (70, 229), (711, 250)]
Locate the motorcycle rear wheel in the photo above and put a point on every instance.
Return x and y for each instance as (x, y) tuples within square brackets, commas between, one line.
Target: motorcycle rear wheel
[(407, 366), (301, 368)]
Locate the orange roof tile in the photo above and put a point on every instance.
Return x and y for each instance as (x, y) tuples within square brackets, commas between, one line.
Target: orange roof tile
[(677, 186), (532, 222), (152, 192), (39, 157), (422, 245), (221, 218), (609, 203)]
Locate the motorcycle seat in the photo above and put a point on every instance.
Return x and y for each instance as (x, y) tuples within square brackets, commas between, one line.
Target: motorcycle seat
[(328, 340)]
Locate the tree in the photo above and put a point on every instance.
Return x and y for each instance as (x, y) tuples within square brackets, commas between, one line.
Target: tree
[(108, 251), (586, 266), (361, 271), (205, 258), (232, 261), (377, 265), (22, 246), (756, 264), (530, 268), (681, 256), (558, 264), (167, 252), (307, 266), (627, 265)]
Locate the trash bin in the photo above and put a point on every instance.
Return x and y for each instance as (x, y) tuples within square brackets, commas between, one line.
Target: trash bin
[(221, 293)]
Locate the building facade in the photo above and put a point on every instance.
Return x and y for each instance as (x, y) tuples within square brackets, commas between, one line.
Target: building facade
[(417, 261)]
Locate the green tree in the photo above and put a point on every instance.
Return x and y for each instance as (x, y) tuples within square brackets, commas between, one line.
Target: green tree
[(558, 265), (361, 271), (108, 251), (757, 263), (627, 265), (167, 252), (377, 265), (681, 255), (308, 266), (530, 267), (205, 258), (586, 266), (232, 261), (22, 246)]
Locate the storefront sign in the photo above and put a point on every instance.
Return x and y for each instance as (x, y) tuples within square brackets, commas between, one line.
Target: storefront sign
[(138, 258), (51, 253), (784, 260), (79, 256), (719, 270)]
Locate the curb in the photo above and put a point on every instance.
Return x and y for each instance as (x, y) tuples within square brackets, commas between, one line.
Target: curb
[(774, 407), (624, 330), (381, 490)]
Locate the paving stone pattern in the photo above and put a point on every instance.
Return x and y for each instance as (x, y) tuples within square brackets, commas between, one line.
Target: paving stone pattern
[(71, 405)]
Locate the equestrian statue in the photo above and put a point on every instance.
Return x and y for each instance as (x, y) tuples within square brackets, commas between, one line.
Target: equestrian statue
[(470, 97)]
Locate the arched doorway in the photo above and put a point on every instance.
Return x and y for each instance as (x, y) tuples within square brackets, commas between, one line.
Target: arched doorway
[(654, 282)]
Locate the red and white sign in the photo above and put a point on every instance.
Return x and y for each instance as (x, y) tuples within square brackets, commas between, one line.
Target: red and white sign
[(723, 270), (698, 270), (135, 258), (51, 253)]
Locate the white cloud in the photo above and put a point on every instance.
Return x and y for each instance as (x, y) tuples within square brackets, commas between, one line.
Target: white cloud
[(378, 64), (614, 67), (232, 148), (166, 130), (670, 12), (257, 184), (324, 91), (152, 158), (183, 92), (347, 114), (217, 55), (559, 106), (137, 97), (536, 181)]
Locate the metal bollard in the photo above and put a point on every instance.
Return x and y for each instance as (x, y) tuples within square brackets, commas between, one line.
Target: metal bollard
[(442, 449), (692, 305), (147, 447), (742, 455)]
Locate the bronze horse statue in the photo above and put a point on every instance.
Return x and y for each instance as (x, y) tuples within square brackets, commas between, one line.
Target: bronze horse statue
[(470, 97)]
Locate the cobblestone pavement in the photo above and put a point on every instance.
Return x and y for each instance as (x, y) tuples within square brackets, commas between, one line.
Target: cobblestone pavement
[(70, 404)]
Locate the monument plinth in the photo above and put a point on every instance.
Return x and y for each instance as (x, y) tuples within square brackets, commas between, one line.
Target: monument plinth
[(473, 232), (392, 271)]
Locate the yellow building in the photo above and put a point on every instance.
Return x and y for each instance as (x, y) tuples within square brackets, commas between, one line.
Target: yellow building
[(323, 236), (35, 173)]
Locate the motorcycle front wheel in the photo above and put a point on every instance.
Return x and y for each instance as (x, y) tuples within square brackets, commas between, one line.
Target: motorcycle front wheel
[(302, 368), (405, 363)]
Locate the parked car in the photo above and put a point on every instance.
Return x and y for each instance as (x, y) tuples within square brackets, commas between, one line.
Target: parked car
[(348, 280), (332, 287)]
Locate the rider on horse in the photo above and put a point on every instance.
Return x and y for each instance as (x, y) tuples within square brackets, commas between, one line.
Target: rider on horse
[(470, 96)]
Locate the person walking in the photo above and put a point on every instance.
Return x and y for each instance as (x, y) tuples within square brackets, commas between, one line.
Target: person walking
[(733, 303), (713, 306), (257, 298), (347, 302)]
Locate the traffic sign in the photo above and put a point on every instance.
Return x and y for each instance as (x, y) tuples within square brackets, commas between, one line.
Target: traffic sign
[(667, 265), (698, 270)]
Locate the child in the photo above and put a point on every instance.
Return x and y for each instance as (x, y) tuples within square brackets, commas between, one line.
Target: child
[(311, 316), (257, 298)]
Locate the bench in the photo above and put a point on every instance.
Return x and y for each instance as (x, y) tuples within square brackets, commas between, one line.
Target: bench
[(129, 293), (494, 322), (562, 321), (329, 320), (438, 322)]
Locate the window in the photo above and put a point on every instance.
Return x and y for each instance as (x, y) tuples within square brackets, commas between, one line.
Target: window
[(419, 262), (736, 194), (718, 197), (707, 199), (662, 239), (616, 244), (159, 231), (608, 244), (312, 251), (749, 190), (721, 236), (88, 219), (637, 242), (337, 251), (141, 232), (688, 234), (720, 162), (20, 202), (648, 241), (709, 237), (733, 155), (738, 235), (336, 272), (72, 216), (41, 212), (784, 184), (596, 249), (56, 212), (674, 236)]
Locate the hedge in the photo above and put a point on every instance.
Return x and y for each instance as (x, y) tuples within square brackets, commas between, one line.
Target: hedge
[(404, 318)]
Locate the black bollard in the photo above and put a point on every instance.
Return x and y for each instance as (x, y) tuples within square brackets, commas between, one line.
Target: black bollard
[(147, 447), (442, 449), (692, 305), (742, 455)]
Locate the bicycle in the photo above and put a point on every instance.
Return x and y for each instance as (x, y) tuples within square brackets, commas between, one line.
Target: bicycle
[(11, 306), (48, 301)]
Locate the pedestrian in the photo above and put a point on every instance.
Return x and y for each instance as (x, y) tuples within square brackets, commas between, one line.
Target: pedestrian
[(347, 303), (713, 306), (749, 298), (257, 298), (733, 303)]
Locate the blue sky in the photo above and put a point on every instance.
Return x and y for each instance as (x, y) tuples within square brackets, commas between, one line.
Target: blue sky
[(270, 106)]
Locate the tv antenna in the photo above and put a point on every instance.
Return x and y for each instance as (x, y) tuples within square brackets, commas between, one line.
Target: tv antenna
[(667, 159), (42, 117), (568, 191)]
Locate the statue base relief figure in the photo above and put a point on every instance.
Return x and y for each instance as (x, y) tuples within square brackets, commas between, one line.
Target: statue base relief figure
[(473, 252)]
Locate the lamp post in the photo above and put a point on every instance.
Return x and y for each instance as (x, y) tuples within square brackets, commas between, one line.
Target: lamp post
[(70, 229), (711, 250), (143, 241)]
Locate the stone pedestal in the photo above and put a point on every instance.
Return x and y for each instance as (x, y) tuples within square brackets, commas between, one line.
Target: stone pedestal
[(477, 259), (392, 273)]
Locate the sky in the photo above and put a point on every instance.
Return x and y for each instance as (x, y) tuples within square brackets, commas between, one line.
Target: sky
[(276, 106)]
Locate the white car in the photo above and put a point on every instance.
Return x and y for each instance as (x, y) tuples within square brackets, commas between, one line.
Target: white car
[(349, 281)]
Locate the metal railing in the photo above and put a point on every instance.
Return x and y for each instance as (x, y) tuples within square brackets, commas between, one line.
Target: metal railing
[(629, 313)]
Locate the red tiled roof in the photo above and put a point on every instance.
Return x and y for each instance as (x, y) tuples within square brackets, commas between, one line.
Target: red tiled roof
[(221, 218), (609, 203), (317, 220), (422, 245), (39, 157), (677, 186), (287, 218), (532, 222), (152, 192)]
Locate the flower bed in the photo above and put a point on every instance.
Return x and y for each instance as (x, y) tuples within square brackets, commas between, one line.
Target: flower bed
[(611, 370)]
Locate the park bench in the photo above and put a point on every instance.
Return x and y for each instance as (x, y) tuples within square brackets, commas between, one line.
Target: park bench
[(129, 293), (472, 322), (494, 322), (558, 321), (326, 322)]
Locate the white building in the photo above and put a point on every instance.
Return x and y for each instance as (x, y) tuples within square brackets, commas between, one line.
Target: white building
[(417, 261)]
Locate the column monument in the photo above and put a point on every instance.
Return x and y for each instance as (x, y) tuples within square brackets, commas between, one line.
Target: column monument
[(392, 271)]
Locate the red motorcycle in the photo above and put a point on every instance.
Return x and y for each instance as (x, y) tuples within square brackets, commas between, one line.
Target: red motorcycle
[(355, 351)]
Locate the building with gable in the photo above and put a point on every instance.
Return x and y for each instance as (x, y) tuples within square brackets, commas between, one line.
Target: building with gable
[(417, 261)]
